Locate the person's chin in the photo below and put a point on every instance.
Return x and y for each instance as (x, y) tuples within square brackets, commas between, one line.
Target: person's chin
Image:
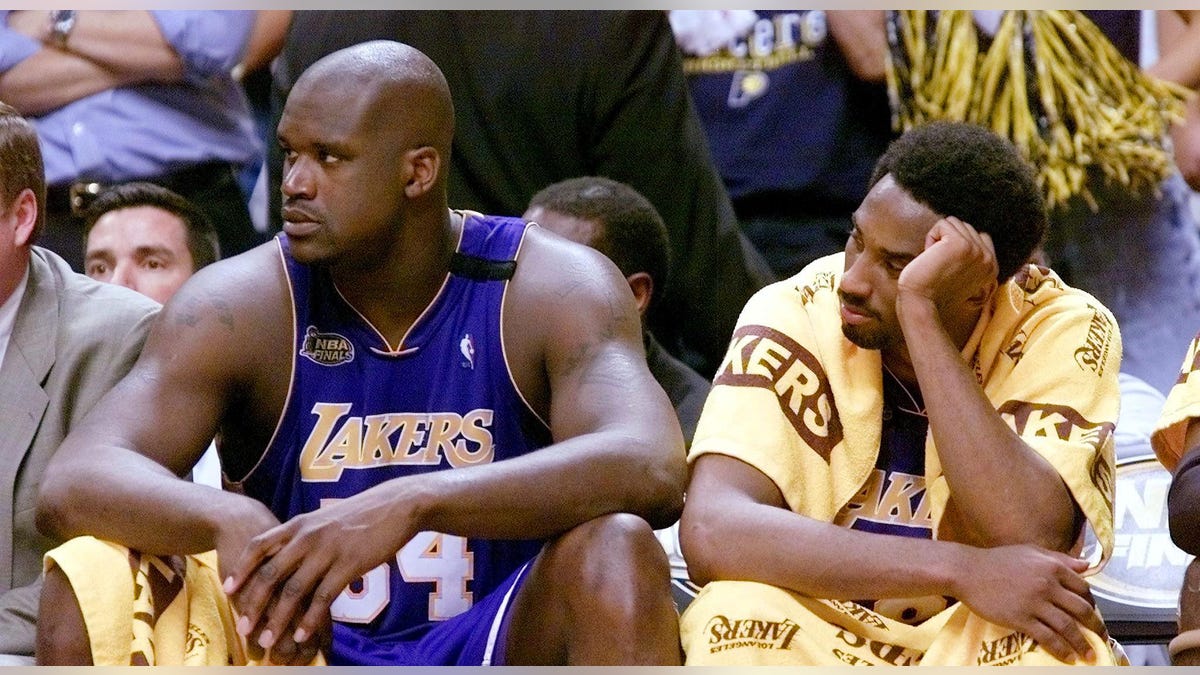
[(863, 338), (305, 251)]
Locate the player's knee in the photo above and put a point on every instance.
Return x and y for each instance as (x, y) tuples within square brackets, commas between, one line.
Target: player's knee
[(1182, 651), (616, 554), (1189, 597), (62, 637)]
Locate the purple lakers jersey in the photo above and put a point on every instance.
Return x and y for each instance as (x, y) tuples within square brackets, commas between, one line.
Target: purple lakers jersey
[(361, 412)]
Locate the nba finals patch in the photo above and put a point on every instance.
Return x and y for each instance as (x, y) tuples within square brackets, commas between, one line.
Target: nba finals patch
[(326, 349)]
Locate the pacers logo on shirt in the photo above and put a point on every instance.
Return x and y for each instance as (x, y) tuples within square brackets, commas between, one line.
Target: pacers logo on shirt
[(326, 349)]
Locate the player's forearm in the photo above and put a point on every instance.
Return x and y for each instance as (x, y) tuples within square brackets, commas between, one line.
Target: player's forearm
[(861, 37), (544, 493), (1005, 492), (734, 539), (51, 79), (267, 38), (118, 495)]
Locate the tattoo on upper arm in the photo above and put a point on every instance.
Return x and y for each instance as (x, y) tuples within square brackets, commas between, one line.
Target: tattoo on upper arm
[(614, 320), (188, 314), (224, 312), (191, 312)]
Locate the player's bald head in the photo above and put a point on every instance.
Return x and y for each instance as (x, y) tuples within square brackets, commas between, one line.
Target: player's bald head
[(392, 87)]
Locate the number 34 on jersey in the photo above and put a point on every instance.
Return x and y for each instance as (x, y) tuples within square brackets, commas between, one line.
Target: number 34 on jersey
[(429, 557)]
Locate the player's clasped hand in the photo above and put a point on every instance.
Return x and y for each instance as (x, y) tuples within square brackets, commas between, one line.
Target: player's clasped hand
[(233, 540), (1035, 591), (290, 575)]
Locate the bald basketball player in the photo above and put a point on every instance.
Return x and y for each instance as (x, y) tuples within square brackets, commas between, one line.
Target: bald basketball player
[(449, 444)]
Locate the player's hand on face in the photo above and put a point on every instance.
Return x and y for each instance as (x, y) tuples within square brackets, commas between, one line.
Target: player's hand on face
[(291, 574), (1035, 591), (957, 262)]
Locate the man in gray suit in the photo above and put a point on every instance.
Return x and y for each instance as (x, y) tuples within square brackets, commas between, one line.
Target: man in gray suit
[(64, 340)]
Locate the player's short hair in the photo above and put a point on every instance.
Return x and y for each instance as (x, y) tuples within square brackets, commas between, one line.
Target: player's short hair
[(631, 232), (966, 171)]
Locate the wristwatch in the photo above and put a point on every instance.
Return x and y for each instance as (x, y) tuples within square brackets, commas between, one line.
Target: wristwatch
[(62, 21)]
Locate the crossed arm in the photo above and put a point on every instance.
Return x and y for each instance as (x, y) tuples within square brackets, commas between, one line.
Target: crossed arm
[(862, 38), (107, 50)]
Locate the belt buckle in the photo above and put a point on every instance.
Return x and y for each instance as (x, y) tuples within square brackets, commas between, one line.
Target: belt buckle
[(81, 195)]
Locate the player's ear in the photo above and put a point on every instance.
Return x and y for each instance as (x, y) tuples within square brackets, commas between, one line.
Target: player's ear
[(424, 166), (643, 289)]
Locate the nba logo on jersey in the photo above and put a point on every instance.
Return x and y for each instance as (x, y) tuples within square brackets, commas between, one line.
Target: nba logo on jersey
[(467, 347)]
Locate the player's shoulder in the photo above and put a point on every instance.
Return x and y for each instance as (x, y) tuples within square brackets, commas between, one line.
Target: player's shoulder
[(567, 289), (548, 260), (241, 280), (241, 296)]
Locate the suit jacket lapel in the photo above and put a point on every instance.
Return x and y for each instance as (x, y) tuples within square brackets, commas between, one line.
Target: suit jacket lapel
[(23, 402)]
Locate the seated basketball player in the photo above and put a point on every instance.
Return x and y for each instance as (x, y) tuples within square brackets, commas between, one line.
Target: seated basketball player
[(1176, 441), (906, 441), (447, 438)]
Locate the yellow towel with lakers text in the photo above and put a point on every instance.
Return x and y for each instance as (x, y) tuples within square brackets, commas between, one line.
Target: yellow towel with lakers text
[(1183, 404), (151, 610), (741, 623)]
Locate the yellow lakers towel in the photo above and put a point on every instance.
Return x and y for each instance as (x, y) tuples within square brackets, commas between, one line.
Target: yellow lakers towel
[(149, 610), (739, 623)]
